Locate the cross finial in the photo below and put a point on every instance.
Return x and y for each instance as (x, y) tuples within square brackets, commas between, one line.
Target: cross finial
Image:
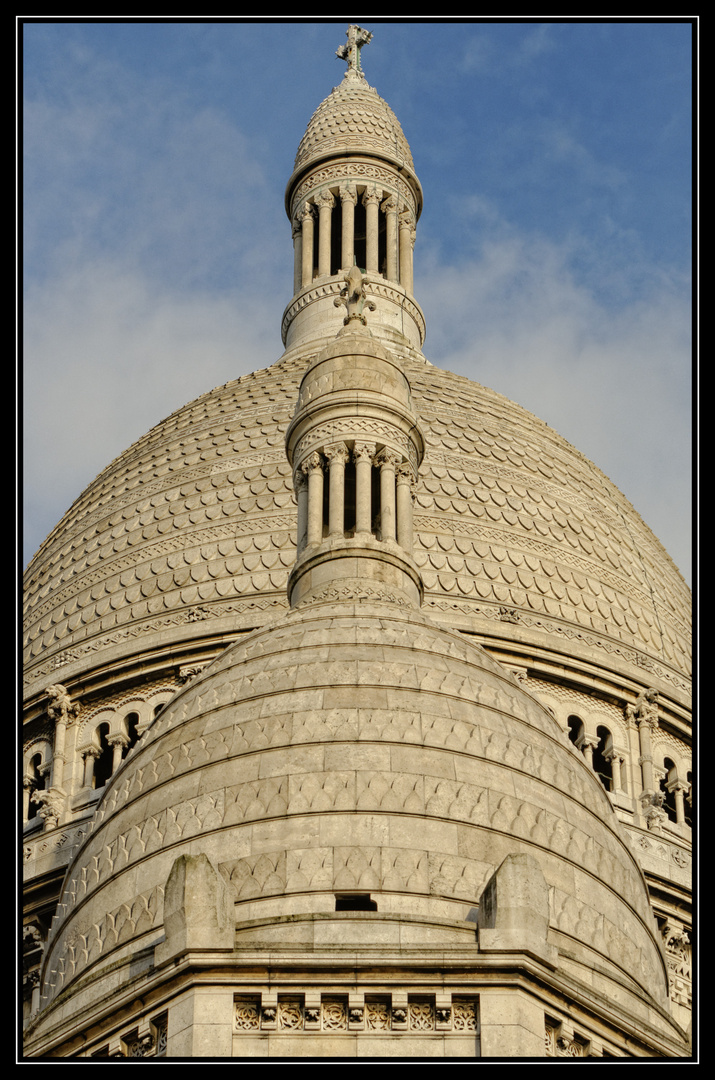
[(357, 37)]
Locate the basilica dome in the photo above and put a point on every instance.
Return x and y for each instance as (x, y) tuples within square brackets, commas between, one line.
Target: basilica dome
[(357, 700), (358, 748), (520, 539)]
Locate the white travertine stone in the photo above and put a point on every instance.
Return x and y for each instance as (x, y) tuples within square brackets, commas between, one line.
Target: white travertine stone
[(361, 694)]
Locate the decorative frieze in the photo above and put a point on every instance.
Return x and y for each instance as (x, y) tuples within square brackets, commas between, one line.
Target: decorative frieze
[(314, 1012)]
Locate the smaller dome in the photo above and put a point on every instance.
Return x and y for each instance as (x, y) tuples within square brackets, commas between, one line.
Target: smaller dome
[(353, 119)]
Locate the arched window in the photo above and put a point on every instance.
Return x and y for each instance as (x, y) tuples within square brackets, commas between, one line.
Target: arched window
[(103, 764), (131, 723), (37, 783), (671, 775), (601, 762), (575, 729), (688, 801)]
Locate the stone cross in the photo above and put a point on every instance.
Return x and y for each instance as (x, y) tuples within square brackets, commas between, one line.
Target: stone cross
[(357, 37)]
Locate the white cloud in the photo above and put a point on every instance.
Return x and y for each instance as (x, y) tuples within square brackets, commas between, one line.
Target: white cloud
[(109, 354), (615, 383)]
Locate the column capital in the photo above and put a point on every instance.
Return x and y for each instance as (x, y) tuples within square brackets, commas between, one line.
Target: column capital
[(363, 450), (372, 194), (338, 452), (313, 462), (324, 198), (61, 709), (348, 192), (388, 457)]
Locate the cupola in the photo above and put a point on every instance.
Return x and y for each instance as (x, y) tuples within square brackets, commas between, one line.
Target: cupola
[(353, 200)]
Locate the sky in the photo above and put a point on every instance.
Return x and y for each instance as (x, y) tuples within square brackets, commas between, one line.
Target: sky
[(552, 262)]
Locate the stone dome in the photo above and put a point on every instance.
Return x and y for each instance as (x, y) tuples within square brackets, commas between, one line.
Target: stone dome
[(357, 747), (190, 535), (353, 118), (378, 667)]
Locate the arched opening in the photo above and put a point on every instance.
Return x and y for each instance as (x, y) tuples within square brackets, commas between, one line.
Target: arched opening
[(37, 783), (671, 776), (688, 801), (103, 764), (350, 493), (575, 725), (601, 762), (336, 236), (132, 725), (360, 236)]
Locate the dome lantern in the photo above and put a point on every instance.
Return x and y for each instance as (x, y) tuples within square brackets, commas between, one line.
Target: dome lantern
[(353, 200)]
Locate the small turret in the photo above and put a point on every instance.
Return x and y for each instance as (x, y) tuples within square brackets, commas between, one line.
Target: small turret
[(353, 200)]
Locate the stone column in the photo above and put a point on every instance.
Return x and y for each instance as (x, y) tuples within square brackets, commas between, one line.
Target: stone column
[(363, 454), (300, 484), (388, 462), (616, 759), (117, 742), (28, 786), (389, 208), (297, 234), (645, 726), (405, 482), (586, 745), (307, 217), (62, 711), (313, 467), (325, 203), (644, 715), (348, 199), (679, 788), (371, 202), (406, 240), (90, 756), (337, 456)]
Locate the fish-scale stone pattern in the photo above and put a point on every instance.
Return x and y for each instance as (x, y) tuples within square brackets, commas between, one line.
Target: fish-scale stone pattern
[(508, 514), (197, 520), (364, 749), (354, 117)]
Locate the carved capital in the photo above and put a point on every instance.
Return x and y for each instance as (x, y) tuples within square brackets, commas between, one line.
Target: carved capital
[(61, 708), (362, 450), (388, 458), (372, 194), (312, 463), (324, 199), (348, 192), (338, 452)]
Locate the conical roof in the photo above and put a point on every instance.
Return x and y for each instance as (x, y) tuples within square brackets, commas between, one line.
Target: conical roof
[(353, 119)]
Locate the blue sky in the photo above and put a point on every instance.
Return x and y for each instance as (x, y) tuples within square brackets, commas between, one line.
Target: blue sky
[(552, 259)]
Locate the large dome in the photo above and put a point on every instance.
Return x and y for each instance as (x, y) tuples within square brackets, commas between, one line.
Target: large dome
[(356, 701), (357, 747), (517, 535)]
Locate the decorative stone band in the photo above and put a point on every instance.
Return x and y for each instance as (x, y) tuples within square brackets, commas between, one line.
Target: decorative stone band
[(364, 429), (384, 290), (362, 172), (318, 1010)]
